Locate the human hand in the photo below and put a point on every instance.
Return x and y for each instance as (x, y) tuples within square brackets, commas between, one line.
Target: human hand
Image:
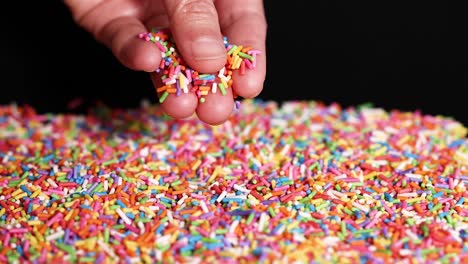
[(197, 26)]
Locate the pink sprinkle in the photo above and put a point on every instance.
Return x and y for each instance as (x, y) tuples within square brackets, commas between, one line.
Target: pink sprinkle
[(54, 219), (160, 46), (18, 230), (188, 75)]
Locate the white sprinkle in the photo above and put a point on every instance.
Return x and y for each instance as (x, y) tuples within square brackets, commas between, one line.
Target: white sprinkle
[(233, 226), (51, 182), (119, 181), (153, 208), (169, 216), (158, 255), (85, 182), (5, 158), (412, 175), (331, 241), (261, 222), (55, 235), (106, 185), (221, 196), (361, 207), (106, 248), (203, 206), (410, 194), (213, 88), (142, 227), (406, 252), (123, 216), (182, 200), (112, 191), (144, 152)]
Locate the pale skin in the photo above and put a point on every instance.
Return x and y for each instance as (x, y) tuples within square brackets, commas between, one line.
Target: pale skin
[(116, 23)]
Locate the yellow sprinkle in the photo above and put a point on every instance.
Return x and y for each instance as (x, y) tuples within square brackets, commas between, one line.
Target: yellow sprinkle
[(412, 200), (32, 240), (181, 80), (195, 166), (69, 204), (67, 217), (380, 152), (90, 243), (239, 48), (238, 63), (2, 211), (403, 140), (158, 188), (38, 236), (32, 222), (224, 82), (16, 192), (267, 196), (253, 200), (370, 175), (36, 193), (215, 174), (174, 236), (130, 244)]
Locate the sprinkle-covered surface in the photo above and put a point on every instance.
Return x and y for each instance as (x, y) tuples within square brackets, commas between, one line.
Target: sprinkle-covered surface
[(300, 183), (177, 77)]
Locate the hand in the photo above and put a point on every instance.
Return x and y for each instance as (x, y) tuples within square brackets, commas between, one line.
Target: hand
[(197, 26)]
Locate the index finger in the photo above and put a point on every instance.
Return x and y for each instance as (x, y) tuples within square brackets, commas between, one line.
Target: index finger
[(244, 23)]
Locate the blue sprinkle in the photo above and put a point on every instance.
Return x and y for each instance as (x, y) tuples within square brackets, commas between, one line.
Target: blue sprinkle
[(120, 203)]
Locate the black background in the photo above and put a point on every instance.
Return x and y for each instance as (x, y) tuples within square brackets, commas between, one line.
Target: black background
[(396, 56)]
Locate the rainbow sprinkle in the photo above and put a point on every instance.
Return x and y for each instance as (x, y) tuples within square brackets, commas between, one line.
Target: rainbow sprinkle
[(178, 78), (300, 183)]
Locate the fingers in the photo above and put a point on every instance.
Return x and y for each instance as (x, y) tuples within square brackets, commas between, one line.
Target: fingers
[(195, 27), (244, 23), (120, 35), (217, 108), (117, 25), (178, 107)]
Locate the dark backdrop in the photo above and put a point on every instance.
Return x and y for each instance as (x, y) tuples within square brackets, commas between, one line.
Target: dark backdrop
[(396, 56)]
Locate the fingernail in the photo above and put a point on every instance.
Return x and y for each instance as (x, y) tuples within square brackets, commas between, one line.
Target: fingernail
[(206, 48)]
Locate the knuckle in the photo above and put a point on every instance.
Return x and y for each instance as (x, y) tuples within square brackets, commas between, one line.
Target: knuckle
[(195, 10)]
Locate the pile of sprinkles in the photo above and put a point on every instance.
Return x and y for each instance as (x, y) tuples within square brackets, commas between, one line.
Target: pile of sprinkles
[(178, 78), (303, 182)]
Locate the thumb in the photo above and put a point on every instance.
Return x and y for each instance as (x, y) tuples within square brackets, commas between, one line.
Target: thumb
[(196, 31)]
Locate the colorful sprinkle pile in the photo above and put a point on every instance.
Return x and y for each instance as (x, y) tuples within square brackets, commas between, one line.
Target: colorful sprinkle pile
[(177, 77), (300, 183)]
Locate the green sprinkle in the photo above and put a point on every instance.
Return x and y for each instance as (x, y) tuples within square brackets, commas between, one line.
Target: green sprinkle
[(106, 235), (272, 212), (250, 218), (67, 248), (109, 162), (245, 55), (163, 97), (436, 207), (222, 88)]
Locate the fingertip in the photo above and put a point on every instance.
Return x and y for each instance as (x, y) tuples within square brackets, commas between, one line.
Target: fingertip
[(216, 109), (181, 106), (177, 106), (140, 55), (250, 84)]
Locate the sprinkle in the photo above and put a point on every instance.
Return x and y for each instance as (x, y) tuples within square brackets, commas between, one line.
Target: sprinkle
[(173, 67), (300, 182)]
